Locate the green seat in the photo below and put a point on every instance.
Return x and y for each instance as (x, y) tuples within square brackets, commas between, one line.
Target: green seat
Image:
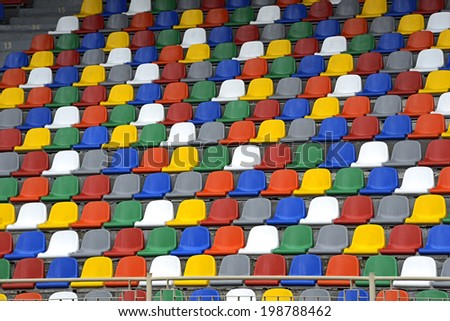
[(151, 136), (64, 138), (68, 41), (300, 30), (282, 67), (64, 96), (432, 295), (126, 214), (202, 91), (161, 241), (121, 115), (63, 188), (5, 269), (164, 5), (8, 188), (241, 16), (297, 239), (348, 181), (361, 44), (235, 111), (306, 156), (446, 220), (215, 158), (380, 265), (169, 295), (168, 37), (224, 51)]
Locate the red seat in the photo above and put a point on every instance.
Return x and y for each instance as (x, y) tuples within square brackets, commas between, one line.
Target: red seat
[(428, 126), (140, 21), (437, 154), (392, 295), (13, 78), (6, 243), (33, 163), (319, 11), (215, 18), (264, 110), (33, 189), (305, 47), (407, 83), (227, 240), (170, 54), (285, 3), (93, 116), (133, 295), (316, 87), (418, 104), (430, 6), (142, 38), (368, 63), (246, 33), (253, 68), (128, 241), (240, 133), (218, 184), (66, 58), (40, 42), (91, 24), (443, 184), (93, 216), (363, 128), (129, 266), (94, 188), (178, 113), (172, 72), (30, 268), (153, 160), (355, 106), (28, 296), (341, 265), (222, 212), (268, 264), (354, 26), (356, 210), (10, 138), (404, 239), (92, 95), (419, 40), (212, 4), (276, 156), (37, 97), (174, 93), (282, 183)]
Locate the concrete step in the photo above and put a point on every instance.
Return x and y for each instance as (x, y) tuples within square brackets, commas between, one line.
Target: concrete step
[(17, 45), (34, 20), (57, 3), (34, 28), (49, 11)]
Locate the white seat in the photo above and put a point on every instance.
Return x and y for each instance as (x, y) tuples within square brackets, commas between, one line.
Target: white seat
[(63, 296), (429, 60), (249, 50), (443, 105), (416, 180), (438, 21), (267, 15), (30, 215), (230, 89), (193, 36), (65, 117), (322, 210), (332, 46), (417, 266), (372, 154), (137, 6), (181, 134), (65, 24), (262, 239), (164, 266), (157, 213), (145, 74), (63, 163), (61, 244), (241, 294), (346, 86), (244, 157), (38, 77), (118, 56), (149, 114)]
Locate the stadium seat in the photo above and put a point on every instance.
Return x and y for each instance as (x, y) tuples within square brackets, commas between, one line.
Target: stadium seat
[(342, 264), (9, 138), (417, 266), (250, 183), (353, 295), (160, 242), (367, 239), (436, 241), (164, 208), (63, 188), (168, 295), (205, 294), (332, 239), (268, 264), (218, 184), (345, 10), (428, 209), (222, 212), (435, 154), (30, 191), (60, 245), (15, 60), (389, 42), (190, 19), (94, 243), (198, 265), (214, 158), (28, 245), (372, 154), (354, 27), (40, 42), (63, 163), (6, 248), (153, 160), (130, 266), (416, 180), (190, 212), (418, 41), (91, 76), (9, 163), (361, 44), (296, 239), (404, 239), (33, 163), (149, 114), (277, 294), (394, 127), (94, 214), (94, 267), (382, 265), (408, 83), (12, 97), (381, 181), (124, 187), (244, 157), (436, 82), (346, 85), (442, 183), (335, 45), (28, 268), (93, 138), (61, 215), (429, 60), (127, 242), (317, 208), (363, 128), (228, 240), (64, 117), (339, 155), (442, 105), (13, 78), (254, 243), (240, 294), (145, 73), (331, 129), (314, 182), (155, 186), (122, 136), (443, 41), (92, 41), (141, 21)]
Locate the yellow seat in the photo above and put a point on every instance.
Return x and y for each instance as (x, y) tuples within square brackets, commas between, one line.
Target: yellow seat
[(184, 159), (309, 2), (259, 89), (373, 9), (443, 41), (198, 265), (91, 76), (196, 53), (117, 39), (94, 267), (190, 19), (122, 136), (277, 295), (7, 215), (315, 182), (89, 8), (411, 23), (270, 131), (189, 213), (367, 239), (438, 81), (428, 209), (324, 107), (119, 95), (3, 297), (446, 134), (11, 97), (35, 139), (40, 59), (61, 216), (338, 65), (278, 48)]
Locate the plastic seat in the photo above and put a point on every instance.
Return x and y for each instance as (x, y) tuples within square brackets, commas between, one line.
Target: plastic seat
[(91, 76), (40, 42), (429, 60), (392, 210), (250, 50), (353, 295), (241, 294), (404, 239), (411, 178), (381, 181), (180, 134), (442, 106), (128, 241), (94, 214), (335, 45), (117, 39), (193, 36), (276, 187), (390, 42), (316, 87), (411, 23), (149, 114), (6, 248), (64, 117), (98, 295), (420, 40), (130, 266), (183, 159), (90, 23), (376, 85), (443, 41), (141, 20), (363, 128), (9, 138), (266, 15), (343, 264), (94, 243), (198, 265), (160, 242), (408, 83), (322, 210), (218, 184), (186, 185), (155, 186), (168, 295), (91, 96), (268, 264), (92, 40), (228, 240), (417, 266), (157, 213), (94, 267), (314, 182), (323, 108), (122, 136), (152, 135), (190, 212), (305, 47), (63, 163), (63, 189), (435, 154), (61, 215), (9, 188), (153, 160), (241, 15), (288, 87), (124, 187), (436, 241), (332, 239), (395, 127), (199, 72), (13, 78), (215, 17), (64, 96), (33, 163), (28, 268), (244, 157), (398, 61), (35, 139), (145, 73), (347, 85), (361, 43), (174, 92), (119, 95), (381, 265), (296, 239), (325, 29), (436, 82), (277, 294), (122, 162), (14, 60), (346, 9), (254, 243), (367, 239), (373, 9), (240, 132), (441, 186), (372, 154), (354, 27), (93, 138), (250, 183), (9, 163), (339, 155), (428, 209), (190, 18), (356, 210), (333, 128), (38, 77), (315, 295), (28, 245), (61, 244)]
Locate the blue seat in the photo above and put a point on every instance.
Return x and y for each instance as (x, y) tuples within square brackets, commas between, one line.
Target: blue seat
[(288, 212), (65, 76), (124, 160), (353, 295), (147, 94), (395, 127), (205, 295), (250, 183), (220, 35), (400, 8), (156, 185), (165, 20), (447, 64), (226, 69), (331, 129), (194, 240), (144, 55), (63, 267), (293, 13), (381, 181), (438, 241), (15, 59), (28, 245), (94, 137), (295, 108), (390, 42), (206, 112), (327, 28), (304, 264), (37, 118), (310, 66), (113, 7), (339, 155), (93, 40), (376, 85), (234, 4)]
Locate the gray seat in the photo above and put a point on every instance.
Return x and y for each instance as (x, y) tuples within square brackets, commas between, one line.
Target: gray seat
[(209, 134), (9, 162), (10, 118), (94, 243), (93, 162), (445, 272), (119, 74), (346, 9), (188, 4), (186, 185), (406, 153), (124, 187), (287, 88), (386, 106), (92, 57), (398, 61), (315, 295), (392, 209), (273, 31), (255, 212), (98, 295), (382, 25), (332, 239), (116, 22), (236, 264), (262, 3), (300, 130), (199, 71)]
